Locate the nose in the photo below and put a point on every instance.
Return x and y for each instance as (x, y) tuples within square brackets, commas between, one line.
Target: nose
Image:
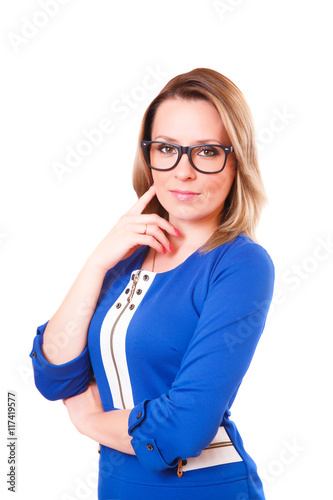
[(184, 169)]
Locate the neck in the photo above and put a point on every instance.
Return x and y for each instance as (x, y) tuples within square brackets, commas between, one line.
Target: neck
[(193, 234)]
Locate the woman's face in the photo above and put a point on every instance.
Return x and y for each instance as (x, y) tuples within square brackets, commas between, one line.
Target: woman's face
[(186, 194)]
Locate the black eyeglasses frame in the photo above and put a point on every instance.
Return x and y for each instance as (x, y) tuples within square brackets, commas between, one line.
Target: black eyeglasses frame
[(185, 150)]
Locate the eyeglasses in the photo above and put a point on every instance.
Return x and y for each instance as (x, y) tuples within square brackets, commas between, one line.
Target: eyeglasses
[(205, 158)]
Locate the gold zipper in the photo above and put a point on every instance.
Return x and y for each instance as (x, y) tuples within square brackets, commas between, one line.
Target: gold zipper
[(221, 444), (129, 298), (180, 467), (135, 281)]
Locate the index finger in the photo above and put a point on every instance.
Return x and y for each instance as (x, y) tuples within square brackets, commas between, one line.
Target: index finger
[(143, 201)]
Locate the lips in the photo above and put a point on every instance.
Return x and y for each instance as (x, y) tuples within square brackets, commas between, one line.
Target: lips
[(184, 195)]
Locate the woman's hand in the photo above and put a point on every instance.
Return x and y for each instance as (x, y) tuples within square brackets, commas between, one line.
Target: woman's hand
[(129, 233), (77, 308), (109, 428), (81, 407)]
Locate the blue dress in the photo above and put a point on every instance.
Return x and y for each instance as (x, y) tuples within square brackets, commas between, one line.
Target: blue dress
[(174, 347)]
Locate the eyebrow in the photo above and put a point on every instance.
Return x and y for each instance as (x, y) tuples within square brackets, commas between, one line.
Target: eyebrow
[(199, 141)]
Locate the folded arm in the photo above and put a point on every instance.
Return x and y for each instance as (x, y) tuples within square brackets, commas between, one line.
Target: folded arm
[(109, 428)]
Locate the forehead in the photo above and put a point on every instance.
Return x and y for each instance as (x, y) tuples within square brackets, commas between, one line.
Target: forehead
[(188, 120)]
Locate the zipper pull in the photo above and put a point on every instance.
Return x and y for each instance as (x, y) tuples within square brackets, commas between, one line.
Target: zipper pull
[(135, 280), (180, 468)]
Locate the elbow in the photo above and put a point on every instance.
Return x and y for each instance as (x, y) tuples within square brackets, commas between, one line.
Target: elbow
[(160, 445), (47, 390), (54, 390), (150, 456), (152, 459), (56, 382), (157, 455)]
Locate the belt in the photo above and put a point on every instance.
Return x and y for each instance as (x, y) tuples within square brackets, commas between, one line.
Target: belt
[(220, 451)]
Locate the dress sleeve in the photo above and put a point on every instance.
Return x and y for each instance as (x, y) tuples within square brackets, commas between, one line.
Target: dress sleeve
[(181, 423), (59, 381)]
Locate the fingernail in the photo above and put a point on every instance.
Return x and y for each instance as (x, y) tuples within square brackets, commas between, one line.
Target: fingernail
[(170, 248), (164, 251), (177, 232)]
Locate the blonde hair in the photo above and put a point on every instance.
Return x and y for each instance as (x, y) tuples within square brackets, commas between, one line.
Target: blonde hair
[(243, 205)]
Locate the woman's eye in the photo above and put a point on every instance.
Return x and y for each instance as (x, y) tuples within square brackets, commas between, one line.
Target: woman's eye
[(208, 152), (167, 149)]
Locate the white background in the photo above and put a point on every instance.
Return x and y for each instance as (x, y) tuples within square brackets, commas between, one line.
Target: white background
[(64, 73)]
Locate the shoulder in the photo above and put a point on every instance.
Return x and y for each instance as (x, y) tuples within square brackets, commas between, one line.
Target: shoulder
[(243, 247), (245, 257)]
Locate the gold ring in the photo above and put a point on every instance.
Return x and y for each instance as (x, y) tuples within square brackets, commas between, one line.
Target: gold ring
[(145, 230)]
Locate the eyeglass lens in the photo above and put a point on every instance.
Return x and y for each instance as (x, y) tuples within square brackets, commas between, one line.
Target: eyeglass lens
[(206, 158)]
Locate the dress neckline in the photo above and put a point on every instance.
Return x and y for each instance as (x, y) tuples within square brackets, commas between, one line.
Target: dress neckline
[(154, 273)]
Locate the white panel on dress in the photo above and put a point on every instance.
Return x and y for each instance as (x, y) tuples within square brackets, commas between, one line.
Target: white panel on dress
[(125, 315)]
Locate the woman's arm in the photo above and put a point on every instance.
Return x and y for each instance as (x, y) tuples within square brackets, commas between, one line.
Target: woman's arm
[(108, 428), (65, 336), (182, 422)]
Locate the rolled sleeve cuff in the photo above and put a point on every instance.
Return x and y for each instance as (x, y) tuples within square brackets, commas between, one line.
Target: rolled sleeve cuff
[(59, 381), (144, 446)]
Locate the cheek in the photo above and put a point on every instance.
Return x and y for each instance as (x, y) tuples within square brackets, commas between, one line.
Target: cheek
[(220, 185), (214, 193), (159, 178), (216, 189)]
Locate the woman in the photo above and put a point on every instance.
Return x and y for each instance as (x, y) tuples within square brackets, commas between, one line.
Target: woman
[(167, 311)]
